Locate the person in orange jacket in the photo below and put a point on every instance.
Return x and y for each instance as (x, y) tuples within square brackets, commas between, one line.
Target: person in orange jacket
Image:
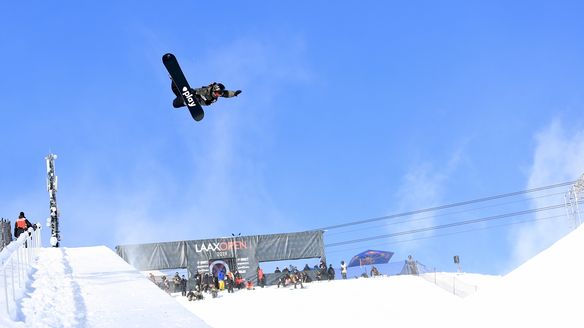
[(261, 277), (21, 225)]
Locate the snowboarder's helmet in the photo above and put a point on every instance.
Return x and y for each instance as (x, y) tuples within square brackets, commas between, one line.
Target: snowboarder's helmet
[(217, 89)]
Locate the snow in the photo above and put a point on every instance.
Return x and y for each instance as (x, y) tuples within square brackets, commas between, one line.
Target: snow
[(93, 287), (544, 291)]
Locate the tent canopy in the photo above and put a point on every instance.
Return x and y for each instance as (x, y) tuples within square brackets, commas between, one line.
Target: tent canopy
[(370, 257)]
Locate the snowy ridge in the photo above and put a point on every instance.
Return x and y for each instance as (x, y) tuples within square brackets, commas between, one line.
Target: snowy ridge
[(543, 292), (93, 287)]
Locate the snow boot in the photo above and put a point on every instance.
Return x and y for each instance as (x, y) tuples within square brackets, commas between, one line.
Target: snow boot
[(178, 102)]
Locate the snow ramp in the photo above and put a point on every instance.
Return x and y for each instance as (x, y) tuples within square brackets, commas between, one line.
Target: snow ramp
[(545, 291), (93, 287)]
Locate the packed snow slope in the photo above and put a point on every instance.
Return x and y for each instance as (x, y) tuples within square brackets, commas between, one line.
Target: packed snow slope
[(373, 302), (543, 292), (92, 287)]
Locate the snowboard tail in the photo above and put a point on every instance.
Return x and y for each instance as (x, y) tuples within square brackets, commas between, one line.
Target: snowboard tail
[(182, 86)]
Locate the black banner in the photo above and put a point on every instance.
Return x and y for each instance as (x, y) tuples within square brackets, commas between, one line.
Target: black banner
[(242, 253)]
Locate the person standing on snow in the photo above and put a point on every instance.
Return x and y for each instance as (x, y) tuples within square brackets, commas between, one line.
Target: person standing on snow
[(21, 225), (344, 269), (206, 95), (176, 282), (261, 277), (331, 272), (412, 267), (183, 285)]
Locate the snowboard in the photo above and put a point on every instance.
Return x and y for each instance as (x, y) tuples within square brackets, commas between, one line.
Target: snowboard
[(180, 81)]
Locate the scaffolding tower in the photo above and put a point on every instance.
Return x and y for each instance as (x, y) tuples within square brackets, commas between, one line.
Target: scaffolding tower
[(573, 198)]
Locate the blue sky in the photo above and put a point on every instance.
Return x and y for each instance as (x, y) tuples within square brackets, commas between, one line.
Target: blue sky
[(347, 113)]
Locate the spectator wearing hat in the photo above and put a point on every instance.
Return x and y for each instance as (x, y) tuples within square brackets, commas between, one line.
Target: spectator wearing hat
[(331, 272), (21, 225), (183, 285)]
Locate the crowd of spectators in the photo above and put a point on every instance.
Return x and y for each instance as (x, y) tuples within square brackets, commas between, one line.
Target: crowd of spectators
[(178, 283), (207, 283)]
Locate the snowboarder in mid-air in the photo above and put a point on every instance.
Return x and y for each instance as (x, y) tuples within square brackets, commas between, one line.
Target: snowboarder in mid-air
[(206, 95), (193, 99)]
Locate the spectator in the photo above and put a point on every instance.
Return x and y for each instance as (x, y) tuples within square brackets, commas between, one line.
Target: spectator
[(306, 268), (229, 282), (176, 283), (322, 265), (250, 285), (21, 225), (305, 277), (198, 279), (344, 269), (221, 275), (331, 272), (261, 277), (190, 295), (296, 278), (165, 285), (318, 274), (183, 285), (374, 272), (412, 266), (322, 269), (198, 295), (277, 270), (207, 282), (283, 280), (239, 283)]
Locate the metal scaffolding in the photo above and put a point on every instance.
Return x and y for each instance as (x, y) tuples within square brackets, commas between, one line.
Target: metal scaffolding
[(572, 199), (53, 221)]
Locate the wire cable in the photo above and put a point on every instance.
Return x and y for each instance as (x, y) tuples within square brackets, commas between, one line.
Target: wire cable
[(438, 215), (452, 233), (478, 200), (448, 225)]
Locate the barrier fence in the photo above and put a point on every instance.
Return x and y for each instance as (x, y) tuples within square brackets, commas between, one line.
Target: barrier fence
[(16, 261), (450, 283)]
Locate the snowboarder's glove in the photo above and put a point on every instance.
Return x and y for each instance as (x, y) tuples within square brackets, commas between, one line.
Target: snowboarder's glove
[(237, 92)]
